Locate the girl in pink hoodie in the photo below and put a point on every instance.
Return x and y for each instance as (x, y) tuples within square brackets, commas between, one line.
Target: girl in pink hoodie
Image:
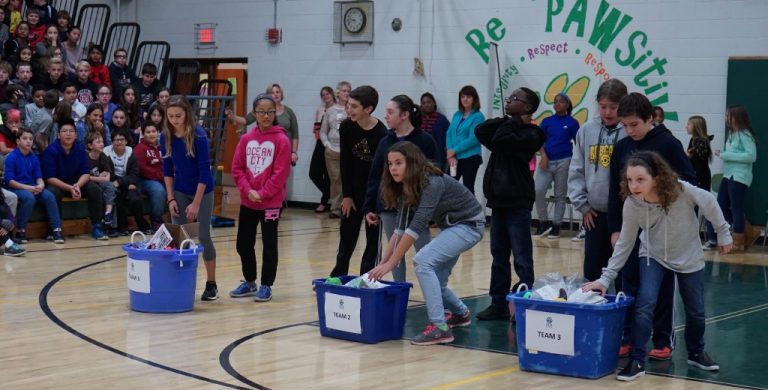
[(260, 168)]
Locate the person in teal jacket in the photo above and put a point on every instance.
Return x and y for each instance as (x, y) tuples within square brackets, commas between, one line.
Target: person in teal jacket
[(462, 147), (738, 154)]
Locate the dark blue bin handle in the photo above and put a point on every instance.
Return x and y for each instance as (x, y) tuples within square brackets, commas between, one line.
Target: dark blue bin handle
[(520, 286), (143, 237), (192, 245)]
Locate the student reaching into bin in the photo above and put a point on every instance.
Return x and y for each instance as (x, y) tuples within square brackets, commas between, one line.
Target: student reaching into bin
[(417, 188), (663, 207), (188, 179)]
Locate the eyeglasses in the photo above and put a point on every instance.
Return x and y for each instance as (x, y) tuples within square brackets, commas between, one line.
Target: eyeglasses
[(512, 98), (105, 93), (120, 56), (265, 113)]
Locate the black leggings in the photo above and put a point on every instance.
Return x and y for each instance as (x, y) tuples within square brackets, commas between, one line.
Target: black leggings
[(246, 240)]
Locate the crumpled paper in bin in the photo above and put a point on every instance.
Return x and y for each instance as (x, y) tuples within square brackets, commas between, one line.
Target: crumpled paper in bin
[(555, 287)]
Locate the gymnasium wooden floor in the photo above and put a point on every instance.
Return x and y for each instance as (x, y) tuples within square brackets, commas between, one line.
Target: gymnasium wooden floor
[(65, 322)]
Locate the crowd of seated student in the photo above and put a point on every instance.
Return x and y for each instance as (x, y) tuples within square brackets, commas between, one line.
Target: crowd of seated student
[(61, 108)]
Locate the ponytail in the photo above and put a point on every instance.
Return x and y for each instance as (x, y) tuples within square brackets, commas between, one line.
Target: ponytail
[(405, 104)]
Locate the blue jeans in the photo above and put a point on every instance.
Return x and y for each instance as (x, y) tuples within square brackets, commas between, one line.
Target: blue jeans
[(388, 221), (510, 234), (691, 288), (663, 316), (27, 201), (557, 172), (434, 263), (155, 190)]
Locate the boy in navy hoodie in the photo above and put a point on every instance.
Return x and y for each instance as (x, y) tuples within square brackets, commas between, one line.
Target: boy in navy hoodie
[(636, 113), (66, 172)]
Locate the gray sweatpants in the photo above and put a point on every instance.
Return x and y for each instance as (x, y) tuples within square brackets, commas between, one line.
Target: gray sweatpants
[(203, 218)]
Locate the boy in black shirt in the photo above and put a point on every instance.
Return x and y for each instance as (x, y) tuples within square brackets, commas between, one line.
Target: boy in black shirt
[(509, 189), (360, 135)]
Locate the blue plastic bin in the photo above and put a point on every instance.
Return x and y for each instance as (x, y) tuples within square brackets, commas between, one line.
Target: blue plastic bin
[(380, 317), (172, 276), (597, 331)]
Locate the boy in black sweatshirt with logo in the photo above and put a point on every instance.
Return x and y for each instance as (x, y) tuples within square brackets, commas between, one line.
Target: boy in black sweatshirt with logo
[(360, 136)]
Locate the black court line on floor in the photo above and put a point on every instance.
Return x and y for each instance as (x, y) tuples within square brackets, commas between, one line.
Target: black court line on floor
[(43, 299), (225, 354)]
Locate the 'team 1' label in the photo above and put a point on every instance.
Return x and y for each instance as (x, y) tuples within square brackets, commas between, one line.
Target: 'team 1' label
[(137, 275)]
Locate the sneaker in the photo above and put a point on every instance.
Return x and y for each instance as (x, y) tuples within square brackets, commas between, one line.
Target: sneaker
[(245, 289), (334, 215), (624, 350), (709, 246), (543, 229), (97, 232), (211, 292), (554, 233), (264, 294), (492, 313), (321, 208), (633, 370), (458, 320), (21, 237), (14, 250), (108, 219), (700, 360), (661, 353), (58, 237), (580, 237), (433, 334), (123, 233)]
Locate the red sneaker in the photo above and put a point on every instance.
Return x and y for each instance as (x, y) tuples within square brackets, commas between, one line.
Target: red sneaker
[(624, 350), (661, 353), (458, 320)]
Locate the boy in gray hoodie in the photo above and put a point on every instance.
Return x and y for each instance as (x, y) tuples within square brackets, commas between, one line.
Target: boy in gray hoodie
[(663, 207), (589, 175)]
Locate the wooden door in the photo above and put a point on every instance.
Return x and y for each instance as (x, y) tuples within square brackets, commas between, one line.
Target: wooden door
[(239, 87)]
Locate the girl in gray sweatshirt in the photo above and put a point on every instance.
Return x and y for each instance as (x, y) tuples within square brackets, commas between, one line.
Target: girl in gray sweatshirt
[(419, 189), (663, 207)]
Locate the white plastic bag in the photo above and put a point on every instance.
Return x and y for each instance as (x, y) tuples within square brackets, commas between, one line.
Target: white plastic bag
[(364, 281)]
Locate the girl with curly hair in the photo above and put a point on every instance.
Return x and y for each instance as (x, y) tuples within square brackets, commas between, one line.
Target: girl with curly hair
[(661, 207)]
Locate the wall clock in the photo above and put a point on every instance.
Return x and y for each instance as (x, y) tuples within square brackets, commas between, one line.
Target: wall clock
[(353, 22), (355, 19)]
